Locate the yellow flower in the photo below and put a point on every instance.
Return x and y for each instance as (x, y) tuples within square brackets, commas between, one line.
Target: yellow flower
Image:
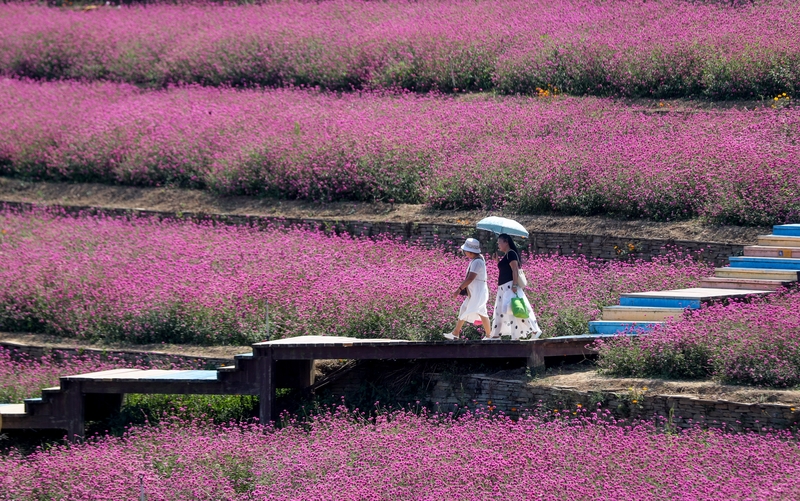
[(635, 401), (777, 98), (644, 388), (791, 409), (489, 402), (579, 406)]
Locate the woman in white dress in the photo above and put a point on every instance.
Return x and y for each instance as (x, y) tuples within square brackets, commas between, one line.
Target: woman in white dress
[(504, 323), (477, 290)]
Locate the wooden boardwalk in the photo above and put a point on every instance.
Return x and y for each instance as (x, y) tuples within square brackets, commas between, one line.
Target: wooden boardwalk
[(285, 363)]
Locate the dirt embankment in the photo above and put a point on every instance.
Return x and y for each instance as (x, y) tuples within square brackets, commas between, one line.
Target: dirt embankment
[(589, 380), (19, 339), (184, 200)]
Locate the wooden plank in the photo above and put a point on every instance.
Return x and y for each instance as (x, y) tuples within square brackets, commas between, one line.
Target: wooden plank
[(8, 409), (488, 349), (764, 263), (778, 241), (743, 283), (175, 375), (326, 341), (172, 387), (102, 374), (418, 350), (639, 313), (28, 422), (149, 375), (783, 275), (786, 230), (701, 293), (766, 251), (614, 326)]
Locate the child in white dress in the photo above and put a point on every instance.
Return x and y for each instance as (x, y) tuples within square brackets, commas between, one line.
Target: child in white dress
[(474, 306)]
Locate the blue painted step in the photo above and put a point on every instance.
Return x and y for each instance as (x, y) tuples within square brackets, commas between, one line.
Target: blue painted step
[(613, 327), (589, 337), (786, 230), (765, 263), (660, 302)]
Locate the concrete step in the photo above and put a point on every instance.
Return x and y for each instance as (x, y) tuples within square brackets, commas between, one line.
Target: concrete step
[(765, 251), (640, 314), (743, 283), (765, 263), (684, 298), (762, 274), (612, 327), (779, 241), (786, 230)]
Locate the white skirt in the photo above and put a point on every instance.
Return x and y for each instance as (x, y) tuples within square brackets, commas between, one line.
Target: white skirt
[(474, 306), (504, 323)]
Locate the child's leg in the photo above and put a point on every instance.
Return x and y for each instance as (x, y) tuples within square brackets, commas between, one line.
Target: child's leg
[(487, 326), (457, 330)]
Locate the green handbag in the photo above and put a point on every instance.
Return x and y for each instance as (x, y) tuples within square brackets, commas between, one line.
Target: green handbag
[(518, 307)]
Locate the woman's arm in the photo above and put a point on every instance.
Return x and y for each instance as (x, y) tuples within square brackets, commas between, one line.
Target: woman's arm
[(514, 274), (470, 277)]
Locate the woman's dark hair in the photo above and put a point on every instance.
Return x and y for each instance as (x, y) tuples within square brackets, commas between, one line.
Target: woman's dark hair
[(507, 238)]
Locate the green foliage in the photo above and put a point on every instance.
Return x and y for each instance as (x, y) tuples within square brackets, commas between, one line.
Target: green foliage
[(140, 408), (679, 362)]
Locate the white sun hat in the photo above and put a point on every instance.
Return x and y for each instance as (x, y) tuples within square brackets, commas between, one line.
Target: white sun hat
[(472, 245)]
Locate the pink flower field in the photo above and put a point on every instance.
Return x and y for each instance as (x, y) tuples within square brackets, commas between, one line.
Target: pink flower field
[(576, 455), (571, 107), (669, 48), (566, 155), (756, 343), (173, 281)]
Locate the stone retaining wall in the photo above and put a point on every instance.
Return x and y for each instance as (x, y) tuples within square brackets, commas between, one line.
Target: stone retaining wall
[(447, 392), (452, 235), (512, 396)]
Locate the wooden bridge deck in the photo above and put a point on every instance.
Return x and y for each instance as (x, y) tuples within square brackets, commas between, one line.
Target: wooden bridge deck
[(285, 363)]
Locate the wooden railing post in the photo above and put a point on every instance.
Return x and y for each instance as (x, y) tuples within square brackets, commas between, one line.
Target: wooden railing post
[(265, 366), (536, 359), (73, 410)]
